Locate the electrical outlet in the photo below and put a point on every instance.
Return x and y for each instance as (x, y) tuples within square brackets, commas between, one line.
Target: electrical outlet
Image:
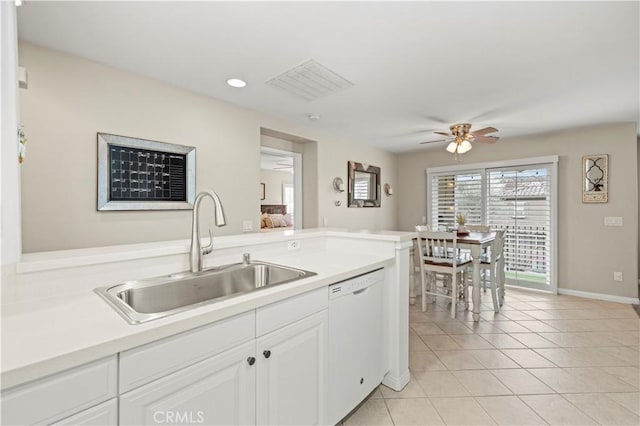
[(613, 221), (617, 276), (247, 225), (293, 244)]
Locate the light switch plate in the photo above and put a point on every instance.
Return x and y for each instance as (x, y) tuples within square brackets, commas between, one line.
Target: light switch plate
[(247, 225), (613, 221), (617, 276)]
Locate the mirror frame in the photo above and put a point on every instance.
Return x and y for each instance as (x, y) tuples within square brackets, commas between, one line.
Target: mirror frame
[(595, 196), (366, 168)]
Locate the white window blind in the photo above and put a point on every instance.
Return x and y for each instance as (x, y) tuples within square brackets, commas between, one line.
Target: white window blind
[(517, 197), (519, 201), (454, 193)]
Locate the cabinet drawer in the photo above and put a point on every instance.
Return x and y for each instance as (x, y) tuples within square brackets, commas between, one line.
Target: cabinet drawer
[(157, 359), (104, 414), (279, 314), (61, 395)]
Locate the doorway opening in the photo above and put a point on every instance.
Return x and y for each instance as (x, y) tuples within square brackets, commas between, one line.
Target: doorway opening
[(281, 189)]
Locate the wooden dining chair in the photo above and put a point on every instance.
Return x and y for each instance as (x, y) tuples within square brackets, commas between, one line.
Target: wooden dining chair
[(438, 254), (492, 264)]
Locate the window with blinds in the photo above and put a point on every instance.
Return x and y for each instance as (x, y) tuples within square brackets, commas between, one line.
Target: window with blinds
[(455, 193), (517, 199)]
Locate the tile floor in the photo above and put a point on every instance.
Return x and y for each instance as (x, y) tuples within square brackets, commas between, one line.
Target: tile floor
[(544, 359)]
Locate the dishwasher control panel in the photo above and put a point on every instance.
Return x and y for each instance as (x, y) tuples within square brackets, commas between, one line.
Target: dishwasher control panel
[(352, 285)]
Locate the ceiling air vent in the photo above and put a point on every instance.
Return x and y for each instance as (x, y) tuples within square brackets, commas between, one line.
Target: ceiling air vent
[(310, 81)]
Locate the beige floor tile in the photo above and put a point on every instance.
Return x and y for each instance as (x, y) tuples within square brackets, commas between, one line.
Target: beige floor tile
[(625, 338), (521, 382), (517, 315), (493, 358), (578, 339), (502, 341), (471, 341), (425, 361), (603, 409), (520, 306), (418, 316), (556, 410), (482, 327), (509, 410), (440, 384), (630, 375), (630, 401), (412, 390), (371, 412), (537, 326), (628, 355), (527, 358), (581, 357), (533, 340), (459, 360), (440, 342), (377, 393), (481, 383), (416, 344), (461, 411), (454, 327), (425, 328), (600, 380), (415, 411), (561, 381), (511, 327)]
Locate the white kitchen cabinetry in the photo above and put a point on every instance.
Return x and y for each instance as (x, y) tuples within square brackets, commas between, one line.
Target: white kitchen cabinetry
[(292, 373), (100, 415), (59, 396), (277, 376), (217, 391)]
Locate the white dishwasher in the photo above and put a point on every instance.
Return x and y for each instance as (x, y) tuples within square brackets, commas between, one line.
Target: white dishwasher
[(356, 341)]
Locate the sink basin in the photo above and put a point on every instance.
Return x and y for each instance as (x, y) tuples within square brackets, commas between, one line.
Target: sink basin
[(145, 300)]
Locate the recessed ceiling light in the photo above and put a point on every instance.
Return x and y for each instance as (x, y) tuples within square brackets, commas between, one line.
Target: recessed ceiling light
[(236, 82)]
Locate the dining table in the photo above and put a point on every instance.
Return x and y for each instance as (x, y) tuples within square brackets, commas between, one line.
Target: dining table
[(476, 243)]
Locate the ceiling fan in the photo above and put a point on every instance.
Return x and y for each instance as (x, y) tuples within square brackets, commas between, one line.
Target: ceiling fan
[(461, 136)]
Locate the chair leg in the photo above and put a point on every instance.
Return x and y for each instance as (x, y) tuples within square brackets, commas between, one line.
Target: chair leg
[(494, 290), (501, 278), (424, 290), (465, 290)]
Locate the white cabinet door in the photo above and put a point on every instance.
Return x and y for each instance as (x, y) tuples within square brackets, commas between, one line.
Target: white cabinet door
[(100, 415), (292, 373), (219, 390)]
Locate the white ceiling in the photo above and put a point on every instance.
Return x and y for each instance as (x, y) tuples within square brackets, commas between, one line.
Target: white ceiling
[(417, 66), (281, 163)]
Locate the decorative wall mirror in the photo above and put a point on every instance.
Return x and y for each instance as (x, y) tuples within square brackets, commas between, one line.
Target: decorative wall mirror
[(364, 185), (595, 176)]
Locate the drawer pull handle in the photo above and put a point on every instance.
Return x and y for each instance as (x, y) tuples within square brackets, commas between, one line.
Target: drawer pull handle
[(266, 354), (251, 360)]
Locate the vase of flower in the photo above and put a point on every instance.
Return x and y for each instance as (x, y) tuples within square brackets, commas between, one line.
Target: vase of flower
[(462, 220)]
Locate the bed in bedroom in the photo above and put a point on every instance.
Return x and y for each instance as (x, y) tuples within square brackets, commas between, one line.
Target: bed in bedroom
[(275, 218)]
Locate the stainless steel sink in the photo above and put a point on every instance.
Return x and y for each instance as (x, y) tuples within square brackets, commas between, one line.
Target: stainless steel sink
[(145, 300)]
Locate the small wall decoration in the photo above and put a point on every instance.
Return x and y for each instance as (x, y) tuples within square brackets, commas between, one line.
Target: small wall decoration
[(262, 191), (595, 176), (140, 174)]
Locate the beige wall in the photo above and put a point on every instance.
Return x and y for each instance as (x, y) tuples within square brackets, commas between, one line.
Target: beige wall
[(588, 252), (273, 181), (70, 99)]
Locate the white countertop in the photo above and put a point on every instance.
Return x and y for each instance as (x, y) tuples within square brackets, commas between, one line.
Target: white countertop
[(47, 336)]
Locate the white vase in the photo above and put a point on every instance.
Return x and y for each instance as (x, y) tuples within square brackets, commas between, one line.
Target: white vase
[(462, 228)]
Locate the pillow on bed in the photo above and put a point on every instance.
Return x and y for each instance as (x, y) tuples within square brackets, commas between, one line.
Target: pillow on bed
[(268, 222), (288, 219), (278, 220)]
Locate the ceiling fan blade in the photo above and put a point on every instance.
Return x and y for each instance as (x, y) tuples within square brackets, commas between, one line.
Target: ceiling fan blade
[(484, 131), (439, 140), (444, 133), (485, 139)]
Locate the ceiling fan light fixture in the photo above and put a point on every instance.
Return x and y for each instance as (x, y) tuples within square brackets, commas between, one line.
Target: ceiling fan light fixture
[(465, 146), (452, 147)]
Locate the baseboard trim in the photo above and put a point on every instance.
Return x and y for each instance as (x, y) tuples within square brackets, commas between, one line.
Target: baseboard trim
[(599, 296), (397, 383)]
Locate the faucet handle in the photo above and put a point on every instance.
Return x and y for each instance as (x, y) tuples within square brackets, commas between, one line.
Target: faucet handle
[(209, 247)]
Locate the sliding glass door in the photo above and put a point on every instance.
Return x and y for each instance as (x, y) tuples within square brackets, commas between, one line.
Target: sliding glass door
[(517, 198), (519, 201)]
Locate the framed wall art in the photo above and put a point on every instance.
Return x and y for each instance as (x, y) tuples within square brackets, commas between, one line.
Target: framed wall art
[(595, 178)]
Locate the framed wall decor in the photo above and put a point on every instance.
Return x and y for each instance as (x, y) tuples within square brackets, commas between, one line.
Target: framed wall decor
[(140, 174), (595, 178), (364, 185)]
